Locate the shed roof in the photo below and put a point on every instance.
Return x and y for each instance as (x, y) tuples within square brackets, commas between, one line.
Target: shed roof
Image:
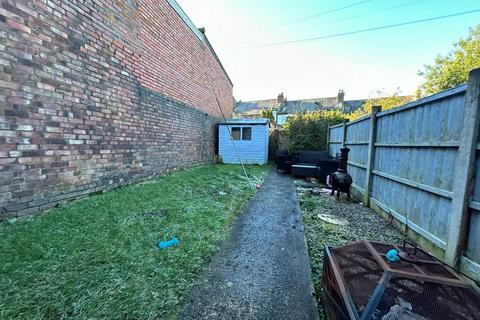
[(245, 121)]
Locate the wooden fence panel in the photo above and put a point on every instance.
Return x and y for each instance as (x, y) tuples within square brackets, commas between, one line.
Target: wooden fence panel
[(335, 139), (414, 159), (471, 263), (473, 243), (357, 141)]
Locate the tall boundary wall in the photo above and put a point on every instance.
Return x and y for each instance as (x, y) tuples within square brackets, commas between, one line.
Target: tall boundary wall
[(97, 94)]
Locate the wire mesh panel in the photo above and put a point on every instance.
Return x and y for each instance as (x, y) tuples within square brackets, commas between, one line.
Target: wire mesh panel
[(360, 271), (422, 299), (360, 277)]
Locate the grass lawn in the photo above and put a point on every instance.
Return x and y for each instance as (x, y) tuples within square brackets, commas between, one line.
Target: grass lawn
[(363, 223), (98, 257)]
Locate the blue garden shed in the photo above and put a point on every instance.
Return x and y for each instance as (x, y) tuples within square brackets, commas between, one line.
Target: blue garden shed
[(247, 137)]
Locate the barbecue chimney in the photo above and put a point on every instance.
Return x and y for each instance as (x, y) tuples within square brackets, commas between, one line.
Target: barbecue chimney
[(340, 179)]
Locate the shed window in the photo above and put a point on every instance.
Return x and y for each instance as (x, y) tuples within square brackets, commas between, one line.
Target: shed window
[(246, 133), (241, 133), (236, 133)]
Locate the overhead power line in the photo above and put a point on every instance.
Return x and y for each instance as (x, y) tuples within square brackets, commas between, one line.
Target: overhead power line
[(335, 35), (405, 4), (326, 12), (411, 3)]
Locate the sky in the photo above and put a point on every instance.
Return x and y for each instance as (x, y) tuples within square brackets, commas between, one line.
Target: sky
[(360, 64)]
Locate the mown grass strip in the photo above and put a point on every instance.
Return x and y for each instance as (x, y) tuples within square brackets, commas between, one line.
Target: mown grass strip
[(98, 257)]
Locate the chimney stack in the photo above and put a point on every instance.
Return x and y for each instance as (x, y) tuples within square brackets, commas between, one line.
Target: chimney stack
[(340, 96), (280, 98)]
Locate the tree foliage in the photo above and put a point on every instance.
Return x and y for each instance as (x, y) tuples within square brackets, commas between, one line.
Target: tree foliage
[(452, 69), (386, 102), (309, 131), (268, 113)]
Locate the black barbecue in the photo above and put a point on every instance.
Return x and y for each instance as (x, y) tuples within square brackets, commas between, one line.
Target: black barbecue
[(340, 180)]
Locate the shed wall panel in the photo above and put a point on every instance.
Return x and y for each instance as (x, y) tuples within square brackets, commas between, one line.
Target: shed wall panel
[(254, 151)]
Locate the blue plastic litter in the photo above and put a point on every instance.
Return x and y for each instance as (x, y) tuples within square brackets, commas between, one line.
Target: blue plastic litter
[(165, 244), (392, 255)]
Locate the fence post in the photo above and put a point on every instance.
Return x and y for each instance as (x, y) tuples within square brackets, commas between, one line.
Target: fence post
[(463, 171), (371, 153), (328, 140), (344, 132)]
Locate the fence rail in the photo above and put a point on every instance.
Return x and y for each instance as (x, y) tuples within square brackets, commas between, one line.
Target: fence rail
[(420, 164)]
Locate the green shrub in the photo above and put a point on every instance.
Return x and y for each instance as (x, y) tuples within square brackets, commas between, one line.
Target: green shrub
[(309, 131)]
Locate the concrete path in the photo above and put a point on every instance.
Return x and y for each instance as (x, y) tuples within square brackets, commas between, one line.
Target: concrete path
[(262, 271)]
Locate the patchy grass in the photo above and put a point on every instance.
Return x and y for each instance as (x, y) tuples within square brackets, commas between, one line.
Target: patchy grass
[(98, 257), (363, 223)]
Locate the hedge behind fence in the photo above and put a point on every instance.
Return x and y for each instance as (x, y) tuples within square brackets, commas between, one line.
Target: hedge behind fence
[(308, 131)]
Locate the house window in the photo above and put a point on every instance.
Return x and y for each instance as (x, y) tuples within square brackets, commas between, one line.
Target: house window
[(236, 133), (246, 133)]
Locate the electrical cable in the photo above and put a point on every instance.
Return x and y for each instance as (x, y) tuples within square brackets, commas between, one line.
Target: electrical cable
[(325, 13), (380, 11), (371, 29)]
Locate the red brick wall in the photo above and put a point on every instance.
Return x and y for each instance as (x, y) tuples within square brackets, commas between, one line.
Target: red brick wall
[(89, 99), (186, 58)]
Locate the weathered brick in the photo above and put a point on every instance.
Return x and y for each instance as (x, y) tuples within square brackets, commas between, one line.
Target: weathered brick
[(85, 112), (7, 133), (73, 141), (24, 127), (14, 24), (22, 193), (54, 129), (23, 147), (10, 85), (20, 113)]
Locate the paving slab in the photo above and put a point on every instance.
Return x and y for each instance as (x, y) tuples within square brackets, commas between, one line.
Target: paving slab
[(262, 270)]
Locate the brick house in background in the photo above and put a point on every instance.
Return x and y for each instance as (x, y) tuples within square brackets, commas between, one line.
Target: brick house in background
[(96, 94), (283, 108)]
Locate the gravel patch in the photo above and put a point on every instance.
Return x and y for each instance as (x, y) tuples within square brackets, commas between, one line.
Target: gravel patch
[(363, 223)]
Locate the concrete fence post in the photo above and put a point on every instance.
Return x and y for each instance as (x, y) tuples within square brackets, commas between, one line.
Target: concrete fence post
[(370, 154), (463, 172)]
